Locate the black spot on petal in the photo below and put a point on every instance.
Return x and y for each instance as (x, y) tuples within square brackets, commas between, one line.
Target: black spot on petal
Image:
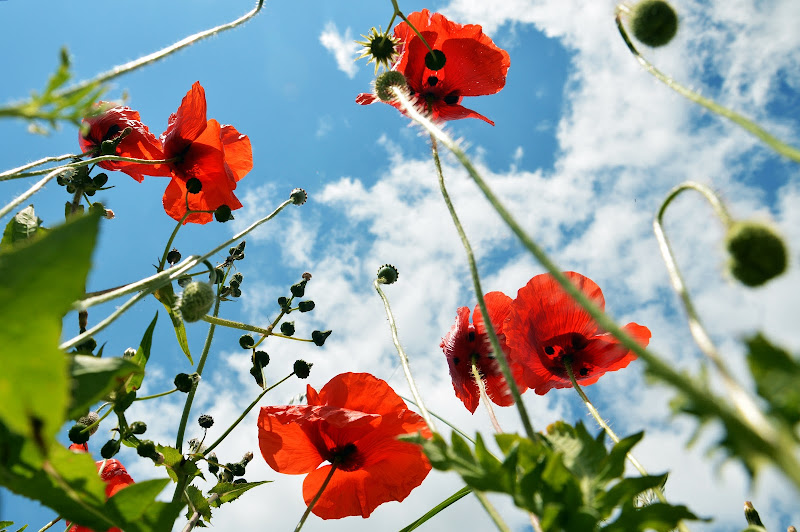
[(432, 81), (549, 350), (451, 98)]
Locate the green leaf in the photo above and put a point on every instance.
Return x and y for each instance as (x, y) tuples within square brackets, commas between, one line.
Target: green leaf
[(198, 502), (51, 271), (460, 494), (177, 465), (230, 492), (93, 378), (142, 356), (5, 524), (22, 227), (776, 374), (137, 510), (656, 516), (166, 295)]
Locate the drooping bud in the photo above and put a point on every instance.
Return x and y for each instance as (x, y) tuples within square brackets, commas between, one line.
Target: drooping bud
[(77, 434), (260, 358), (305, 306), (757, 252), (319, 337), (302, 369), (387, 274), (299, 289), (385, 83), (246, 341), (654, 22), (174, 256), (110, 448), (195, 301), (298, 196), (223, 214), (213, 468), (138, 427), (751, 514), (184, 382), (287, 328), (146, 449), (258, 375), (194, 186)]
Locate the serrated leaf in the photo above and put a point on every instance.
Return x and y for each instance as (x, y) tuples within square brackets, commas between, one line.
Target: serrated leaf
[(34, 384), (776, 374), (142, 356), (626, 490), (93, 378), (657, 516), (198, 503), (177, 465), (23, 226), (166, 294), (229, 492)]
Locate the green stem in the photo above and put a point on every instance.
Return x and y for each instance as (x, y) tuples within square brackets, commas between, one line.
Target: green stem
[(169, 242), (28, 193), (251, 328), (51, 523), (404, 359), (745, 123), (460, 494), (476, 374), (162, 394), (476, 284), (776, 448), (316, 498), (99, 420), (493, 514), (246, 411), (40, 162), (443, 420), (5, 176), (741, 399), (410, 25), (155, 56)]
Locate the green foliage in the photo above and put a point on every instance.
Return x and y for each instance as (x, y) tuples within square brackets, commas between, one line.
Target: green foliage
[(178, 466), (166, 295), (93, 378), (136, 506), (142, 356), (5, 524), (567, 477), (21, 227), (197, 502), (230, 492), (460, 494), (54, 104), (776, 374), (40, 281)]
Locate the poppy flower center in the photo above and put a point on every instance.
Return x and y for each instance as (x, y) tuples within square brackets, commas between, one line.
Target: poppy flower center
[(345, 457), (564, 348)]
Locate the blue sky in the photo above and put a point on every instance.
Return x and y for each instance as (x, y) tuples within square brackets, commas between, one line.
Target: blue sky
[(585, 146)]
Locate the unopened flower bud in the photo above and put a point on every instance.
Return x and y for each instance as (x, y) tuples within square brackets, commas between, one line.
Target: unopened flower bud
[(99, 180), (287, 328), (260, 358), (109, 449), (751, 514), (90, 419), (298, 196), (146, 449), (385, 83), (246, 341), (237, 470), (194, 186), (319, 337), (213, 468), (223, 214), (77, 434), (247, 458), (184, 382), (138, 427), (257, 374), (205, 421), (237, 278), (757, 252), (283, 302), (302, 369), (174, 256), (299, 289), (387, 274), (305, 306), (195, 301), (654, 22)]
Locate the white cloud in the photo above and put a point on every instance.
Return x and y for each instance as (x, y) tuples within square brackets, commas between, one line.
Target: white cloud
[(342, 47)]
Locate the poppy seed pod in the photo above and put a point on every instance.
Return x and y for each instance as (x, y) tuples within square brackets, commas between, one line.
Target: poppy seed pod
[(387, 274), (205, 421), (757, 252), (302, 369), (654, 22), (194, 186), (298, 196), (223, 214), (246, 341), (385, 82), (287, 328), (195, 301)]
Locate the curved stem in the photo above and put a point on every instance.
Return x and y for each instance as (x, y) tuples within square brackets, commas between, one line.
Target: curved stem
[(495, 517), (316, 498), (5, 176), (410, 25), (155, 56), (476, 374), (40, 162), (741, 399), (246, 411), (162, 394), (768, 444), (476, 283), (196, 514), (745, 123), (171, 239), (404, 359)]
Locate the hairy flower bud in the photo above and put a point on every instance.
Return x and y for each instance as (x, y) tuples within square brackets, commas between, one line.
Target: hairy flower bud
[(110, 448), (246, 341), (138, 427), (757, 252), (305, 306), (385, 83), (287, 328), (260, 358), (195, 301), (146, 449), (184, 381), (387, 274), (654, 22), (205, 421), (302, 369)]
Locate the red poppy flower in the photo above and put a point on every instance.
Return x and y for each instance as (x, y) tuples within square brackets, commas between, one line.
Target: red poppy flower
[(139, 144), (466, 344), (353, 421), (113, 474), (474, 65), (545, 328), (218, 156)]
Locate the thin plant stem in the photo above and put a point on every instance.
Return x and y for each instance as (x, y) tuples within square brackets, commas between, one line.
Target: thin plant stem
[(196, 514), (741, 399), (404, 359), (99, 420), (410, 25), (777, 448), (443, 420), (476, 374), (460, 494), (162, 394), (5, 176), (476, 283), (172, 239), (51, 523), (745, 123), (490, 509), (246, 411), (316, 497), (40, 162), (155, 56), (28, 193), (252, 328), (105, 322)]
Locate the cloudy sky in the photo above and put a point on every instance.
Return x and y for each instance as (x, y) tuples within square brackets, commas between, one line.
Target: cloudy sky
[(586, 145)]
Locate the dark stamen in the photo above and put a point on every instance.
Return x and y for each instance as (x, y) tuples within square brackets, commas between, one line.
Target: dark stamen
[(432, 81), (456, 361), (549, 350), (584, 372), (471, 336), (451, 98)]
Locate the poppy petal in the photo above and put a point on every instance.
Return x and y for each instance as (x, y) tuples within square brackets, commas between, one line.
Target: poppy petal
[(362, 392), (187, 123), (238, 152), (458, 352)]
